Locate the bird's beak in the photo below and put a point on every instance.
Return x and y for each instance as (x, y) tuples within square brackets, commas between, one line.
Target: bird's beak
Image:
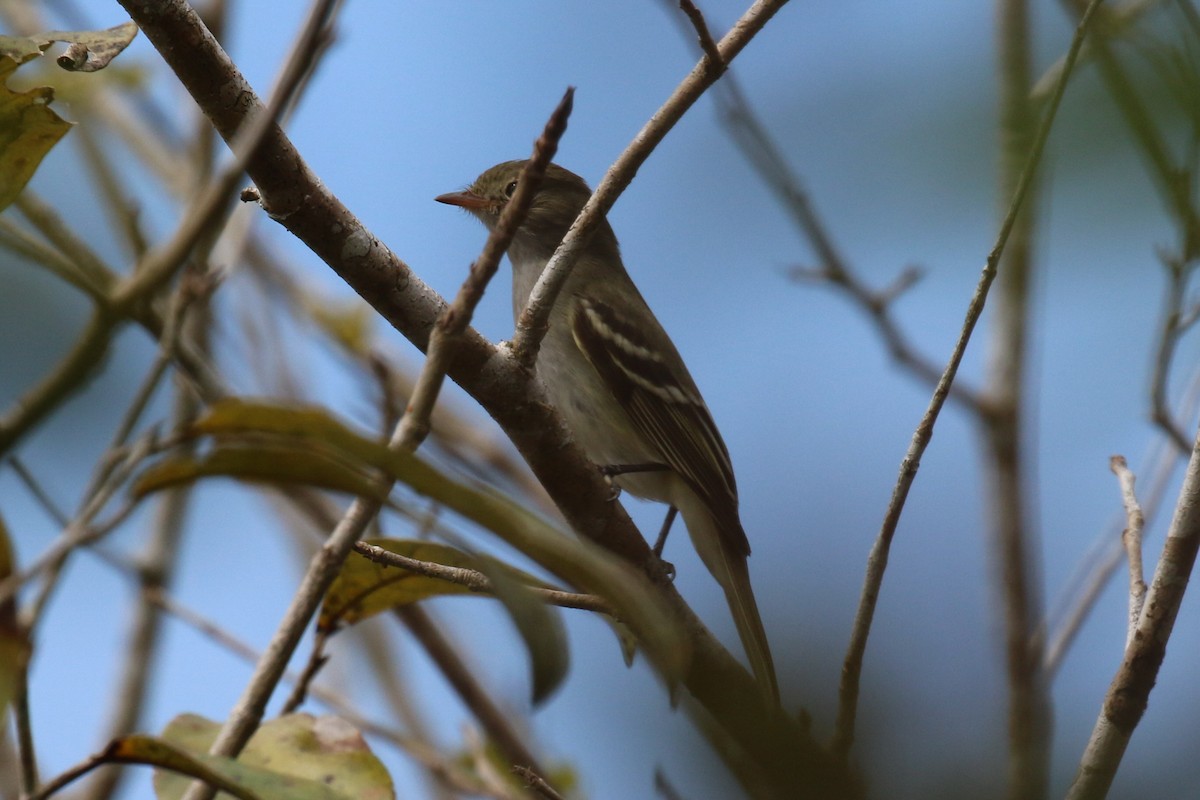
[(464, 199)]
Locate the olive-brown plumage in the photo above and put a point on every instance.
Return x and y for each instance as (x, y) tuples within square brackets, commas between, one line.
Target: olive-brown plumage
[(622, 387)]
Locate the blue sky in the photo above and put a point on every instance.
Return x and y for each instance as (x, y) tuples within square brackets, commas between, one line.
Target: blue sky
[(887, 114)]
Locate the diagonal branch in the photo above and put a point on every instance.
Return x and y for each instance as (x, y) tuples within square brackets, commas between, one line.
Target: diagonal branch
[(533, 322)]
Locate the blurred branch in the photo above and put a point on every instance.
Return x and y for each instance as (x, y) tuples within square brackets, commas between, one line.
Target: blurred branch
[(23, 724), (1116, 19), (16, 239), (1130, 689), (122, 210), (495, 720), (1170, 331), (79, 532), (157, 565), (130, 296), (80, 362), (1176, 185), (1004, 428), (100, 278), (1176, 193), (848, 692)]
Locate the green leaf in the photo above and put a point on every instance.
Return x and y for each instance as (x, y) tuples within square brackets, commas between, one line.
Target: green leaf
[(297, 756), (264, 462), (539, 625)]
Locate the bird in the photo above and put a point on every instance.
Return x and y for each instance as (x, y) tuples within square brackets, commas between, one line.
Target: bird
[(622, 388)]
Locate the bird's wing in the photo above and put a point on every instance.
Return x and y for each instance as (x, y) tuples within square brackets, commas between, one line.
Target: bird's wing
[(664, 407)]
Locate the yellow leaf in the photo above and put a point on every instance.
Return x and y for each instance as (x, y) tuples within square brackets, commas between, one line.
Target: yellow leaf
[(364, 587), (318, 757), (28, 128)]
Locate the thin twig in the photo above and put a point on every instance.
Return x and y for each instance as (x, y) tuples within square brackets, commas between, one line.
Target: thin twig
[(17, 239), (1131, 538), (848, 691), (533, 321), (708, 45), (317, 659), (476, 581), (39, 492), (456, 318), (537, 783), (157, 565)]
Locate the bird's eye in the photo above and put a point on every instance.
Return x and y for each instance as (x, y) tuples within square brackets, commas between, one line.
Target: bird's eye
[(508, 190)]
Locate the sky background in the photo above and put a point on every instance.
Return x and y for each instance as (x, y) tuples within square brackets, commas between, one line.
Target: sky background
[(886, 111)]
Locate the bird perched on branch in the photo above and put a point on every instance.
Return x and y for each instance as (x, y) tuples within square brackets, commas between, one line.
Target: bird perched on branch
[(622, 387)]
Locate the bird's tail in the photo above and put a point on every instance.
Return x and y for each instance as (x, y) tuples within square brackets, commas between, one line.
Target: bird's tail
[(724, 554), (740, 597)]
